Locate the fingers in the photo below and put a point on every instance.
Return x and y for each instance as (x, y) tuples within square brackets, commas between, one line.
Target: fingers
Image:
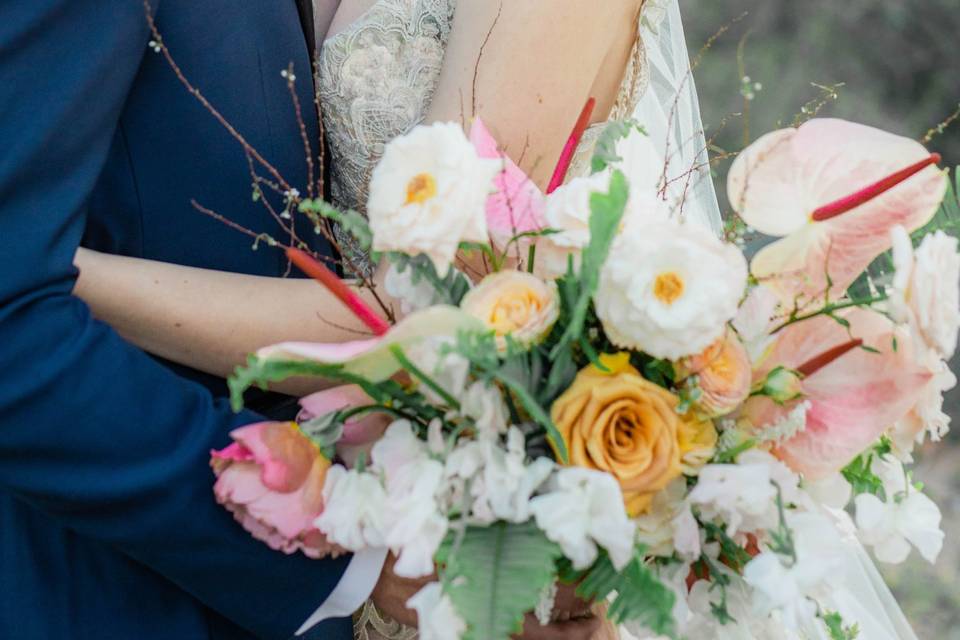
[(576, 629)]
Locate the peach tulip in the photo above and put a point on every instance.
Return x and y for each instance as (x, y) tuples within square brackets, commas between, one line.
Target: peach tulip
[(271, 478)]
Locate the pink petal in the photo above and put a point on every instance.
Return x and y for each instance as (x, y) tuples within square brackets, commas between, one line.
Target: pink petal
[(517, 204), (330, 400), (854, 399), (235, 452), (777, 183), (357, 432)]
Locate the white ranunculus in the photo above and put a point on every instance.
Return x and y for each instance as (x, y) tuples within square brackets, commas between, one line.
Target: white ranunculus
[(428, 194), (908, 517), (568, 208), (568, 212), (437, 619), (583, 509), (926, 289), (413, 523), (669, 289), (353, 509)]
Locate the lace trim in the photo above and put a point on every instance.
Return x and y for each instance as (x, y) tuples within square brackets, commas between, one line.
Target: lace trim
[(369, 624)]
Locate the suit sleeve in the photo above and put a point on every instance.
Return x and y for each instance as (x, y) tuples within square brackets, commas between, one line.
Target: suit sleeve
[(92, 430)]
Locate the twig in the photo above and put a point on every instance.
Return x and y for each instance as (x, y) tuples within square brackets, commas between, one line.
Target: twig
[(940, 128), (308, 151), (159, 44), (483, 46)]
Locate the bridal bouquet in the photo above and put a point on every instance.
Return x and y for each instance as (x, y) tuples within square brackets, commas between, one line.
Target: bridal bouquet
[(586, 390)]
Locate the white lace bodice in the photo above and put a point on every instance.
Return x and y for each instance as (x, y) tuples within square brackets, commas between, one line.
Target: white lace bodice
[(377, 79), (376, 82)]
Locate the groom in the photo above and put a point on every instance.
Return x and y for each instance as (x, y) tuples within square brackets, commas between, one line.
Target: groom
[(108, 527)]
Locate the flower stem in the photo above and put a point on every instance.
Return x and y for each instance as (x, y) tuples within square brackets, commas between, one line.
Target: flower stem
[(830, 309)]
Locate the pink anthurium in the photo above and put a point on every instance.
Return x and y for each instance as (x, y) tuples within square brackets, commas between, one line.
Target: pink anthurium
[(832, 190), (517, 204), (854, 393), (372, 358)]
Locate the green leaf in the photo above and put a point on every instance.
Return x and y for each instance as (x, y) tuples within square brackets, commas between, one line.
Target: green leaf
[(605, 151), (640, 595), (496, 575), (260, 373), (834, 623), (606, 213), (350, 221)]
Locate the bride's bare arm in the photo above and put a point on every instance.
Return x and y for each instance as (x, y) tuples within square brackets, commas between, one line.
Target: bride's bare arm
[(209, 320), (534, 67)]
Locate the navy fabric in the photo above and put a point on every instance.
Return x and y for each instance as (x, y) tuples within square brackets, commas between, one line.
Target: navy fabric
[(108, 527)]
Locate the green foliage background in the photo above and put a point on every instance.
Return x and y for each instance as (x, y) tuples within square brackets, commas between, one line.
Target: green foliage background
[(900, 62)]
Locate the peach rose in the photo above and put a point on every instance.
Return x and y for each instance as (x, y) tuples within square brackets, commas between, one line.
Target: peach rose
[(271, 478), (514, 303), (621, 423), (724, 373)]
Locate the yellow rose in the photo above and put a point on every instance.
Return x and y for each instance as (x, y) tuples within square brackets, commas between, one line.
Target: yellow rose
[(620, 423), (514, 303), (724, 373), (698, 443)]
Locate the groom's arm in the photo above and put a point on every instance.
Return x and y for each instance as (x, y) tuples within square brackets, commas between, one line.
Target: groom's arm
[(93, 431)]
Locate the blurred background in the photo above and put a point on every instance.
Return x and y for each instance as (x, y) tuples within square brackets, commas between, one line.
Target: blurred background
[(899, 66)]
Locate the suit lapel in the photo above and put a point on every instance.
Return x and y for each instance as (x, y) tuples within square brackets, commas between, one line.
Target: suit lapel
[(305, 9)]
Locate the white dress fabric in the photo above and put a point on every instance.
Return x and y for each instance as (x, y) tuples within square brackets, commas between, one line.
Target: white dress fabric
[(376, 82)]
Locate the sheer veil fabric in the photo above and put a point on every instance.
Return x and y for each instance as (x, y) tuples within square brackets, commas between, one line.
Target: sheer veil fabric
[(670, 112)]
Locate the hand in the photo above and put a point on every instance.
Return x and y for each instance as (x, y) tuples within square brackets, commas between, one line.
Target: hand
[(573, 620), (392, 593)]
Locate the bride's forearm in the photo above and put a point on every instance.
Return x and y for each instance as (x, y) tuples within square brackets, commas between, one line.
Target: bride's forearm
[(209, 320)]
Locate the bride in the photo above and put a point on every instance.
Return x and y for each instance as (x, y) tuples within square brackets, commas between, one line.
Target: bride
[(385, 66)]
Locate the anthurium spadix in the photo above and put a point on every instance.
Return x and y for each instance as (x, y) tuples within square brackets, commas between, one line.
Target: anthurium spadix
[(832, 190), (855, 385)]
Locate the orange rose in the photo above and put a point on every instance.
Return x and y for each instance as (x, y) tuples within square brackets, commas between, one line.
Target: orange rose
[(621, 423)]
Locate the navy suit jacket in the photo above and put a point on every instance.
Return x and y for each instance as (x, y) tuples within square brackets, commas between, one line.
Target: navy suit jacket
[(108, 527)]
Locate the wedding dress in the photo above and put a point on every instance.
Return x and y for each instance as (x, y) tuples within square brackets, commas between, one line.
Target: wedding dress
[(376, 81)]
